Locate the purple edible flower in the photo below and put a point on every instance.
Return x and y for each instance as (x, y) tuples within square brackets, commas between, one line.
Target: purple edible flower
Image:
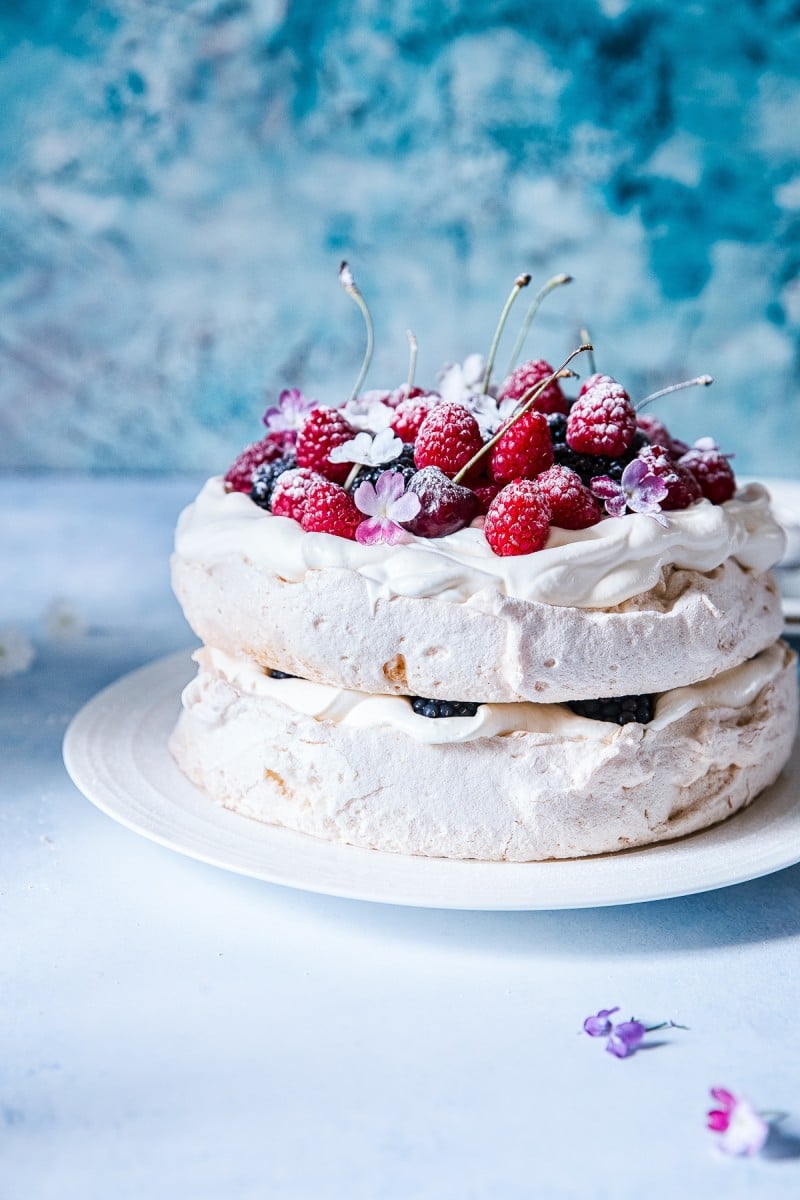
[(288, 414), (624, 1037), (386, 504), (743, 1130), (639, 489), (599, 1025)]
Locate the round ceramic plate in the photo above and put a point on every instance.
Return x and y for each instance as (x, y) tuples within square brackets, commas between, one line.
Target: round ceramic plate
[(116, 752)]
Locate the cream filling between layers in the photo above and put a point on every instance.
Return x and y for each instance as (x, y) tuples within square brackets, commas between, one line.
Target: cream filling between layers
[(598, 567), (733, 689)]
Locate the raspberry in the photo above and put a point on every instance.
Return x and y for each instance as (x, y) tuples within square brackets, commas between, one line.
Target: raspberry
[(323, 430), (552, 399), (602, 421), (442, 708), (523, 451), (656, 432), (448, 438), (572, 506), (394, 399), (266, 476), (330, 509), (712, 471), (240, 475), (593, 380), (290, 493), (682, 487), (485, 491), (409, 415), (621, 710), (518, 520)]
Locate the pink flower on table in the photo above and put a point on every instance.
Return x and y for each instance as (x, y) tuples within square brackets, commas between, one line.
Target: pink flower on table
[(385, 504), (742, 1130), (639, 489), (288, 414)]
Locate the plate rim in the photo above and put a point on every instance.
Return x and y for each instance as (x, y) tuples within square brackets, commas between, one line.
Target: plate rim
[(170, 673)]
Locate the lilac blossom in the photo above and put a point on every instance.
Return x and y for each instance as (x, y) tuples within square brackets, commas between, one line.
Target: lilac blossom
[(385, 505), (368, 450), (623, 1037), (742, 1130), (639, 489), (289, 413)]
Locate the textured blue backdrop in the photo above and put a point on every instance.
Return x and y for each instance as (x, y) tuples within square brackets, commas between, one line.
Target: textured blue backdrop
[(181, 180)]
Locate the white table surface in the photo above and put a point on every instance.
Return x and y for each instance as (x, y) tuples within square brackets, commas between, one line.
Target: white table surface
[(172, 1030)]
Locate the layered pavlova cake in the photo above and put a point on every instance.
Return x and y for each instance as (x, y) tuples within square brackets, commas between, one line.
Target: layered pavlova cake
[(479, 622)]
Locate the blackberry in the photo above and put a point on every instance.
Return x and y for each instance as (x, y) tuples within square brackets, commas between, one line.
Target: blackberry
[(588, 466), (265, 478), (442, 708), (620, 710), (558, 427), (404, 463), (273, 674)]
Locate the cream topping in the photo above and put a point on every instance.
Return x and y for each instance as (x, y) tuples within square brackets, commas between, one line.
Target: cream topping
[(598, 567), (733, 689)]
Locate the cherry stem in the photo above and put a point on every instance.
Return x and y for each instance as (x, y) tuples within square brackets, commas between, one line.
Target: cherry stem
[(520, 282), (412, 361), (556, 281), (350, 286), (700, 381), (585, 336), (526, 401)]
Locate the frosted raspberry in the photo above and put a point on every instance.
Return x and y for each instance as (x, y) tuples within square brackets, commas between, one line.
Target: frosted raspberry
[(448, 438), (323, 430), (711, 469), (330, 509), (518, 519), (682, 487), (552, 399), (240, 475), (656, 432), (290, 493), (572, 505), (602, 421), (593, 380), (410, 414), (485, 492), (523, 451)]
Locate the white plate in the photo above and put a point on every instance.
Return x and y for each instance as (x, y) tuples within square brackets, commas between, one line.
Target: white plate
[(116, 752)]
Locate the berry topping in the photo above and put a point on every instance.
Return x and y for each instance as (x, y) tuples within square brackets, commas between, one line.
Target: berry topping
[(523, 451), (442, 708), (404, 464), (711, 469), (620, 710), (323, 430), (602, 421), (290, 493), (240, 476), (682, 487), (485, 491), (518, 520), (330, 509), (572, 505), (409, 415), (448, 438), (593, 381), (552, 399), (444, 506), (266, 476)]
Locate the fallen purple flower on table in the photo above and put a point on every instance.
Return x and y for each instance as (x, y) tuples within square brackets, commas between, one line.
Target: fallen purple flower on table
[(624, 1037), (742, 1130)]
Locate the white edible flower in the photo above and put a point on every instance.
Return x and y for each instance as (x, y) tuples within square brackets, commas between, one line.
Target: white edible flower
[(16, 651), (63, 620), (369, 413), (367, 450), (460, 381)]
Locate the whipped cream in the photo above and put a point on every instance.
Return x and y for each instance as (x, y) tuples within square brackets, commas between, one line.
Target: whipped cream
[(599, 567), (733, 689)]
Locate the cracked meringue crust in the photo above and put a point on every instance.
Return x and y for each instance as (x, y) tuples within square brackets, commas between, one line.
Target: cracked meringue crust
[(533, 784), (629, 607)]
